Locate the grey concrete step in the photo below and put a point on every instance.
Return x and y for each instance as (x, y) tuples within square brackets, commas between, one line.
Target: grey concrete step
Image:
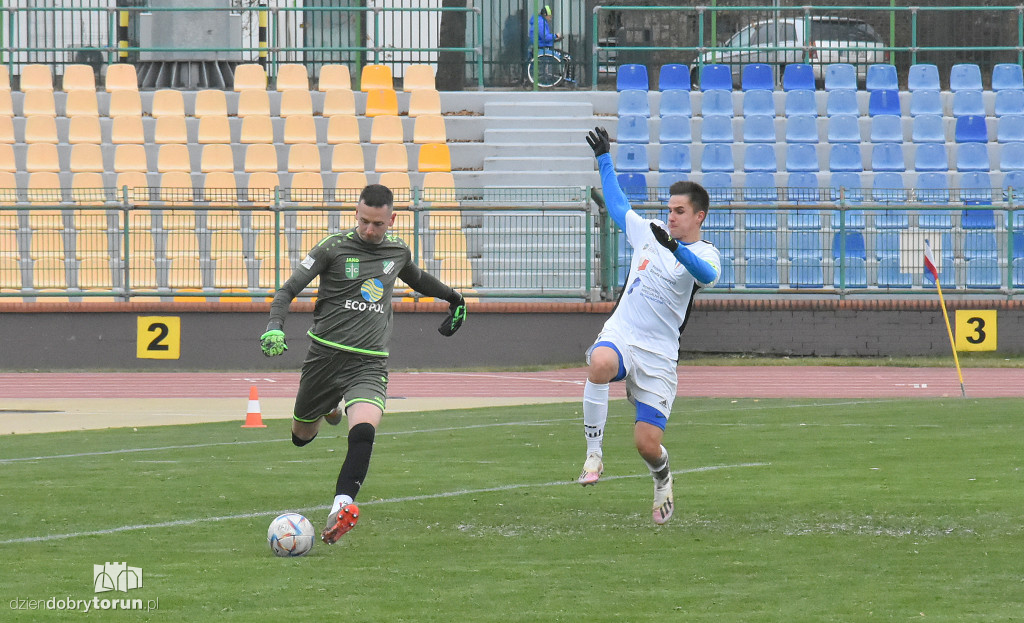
[(544, 154), (528, 163), (534, 136), (538, 110)]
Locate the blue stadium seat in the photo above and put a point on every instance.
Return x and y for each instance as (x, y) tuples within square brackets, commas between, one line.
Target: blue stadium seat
[(925, 103), (887, 157), (928, 129), (805, 244), (1018, 273), (889, 187), (976, 189), (1007, 76), (844, 129), (760, 243), (761, 220), (715, 77), (631, 158), (716, 129), (804, 187), (759, 157), (882, 76), (972, 157), (890, 275), (675, 102), (887, 244), (762, 272), (1011, 157), (634, 102), (933, 187), (887, 129), (720, 220), (721, 238), (1010, 129), (840, 76), (968, 103), (719, 186), (801, 157), (727, 279), (717, 158), (965, 77), (845, 157), (884, 102), (806, 272), (716, 102), (674, 157), (674, 76), (1014, 181), (944, 257), (798, 77), (633, 129), (758, 102), (983, 273), (801, 103), (759, 129), (802, 129), (675, 129), (1009, 103), (665, 181), (980, 243), (971, 129), (852, 187), (634, 185), (842, 102), (632, 76), (760, 187), (1018, 244), (757, 76), (851, 265), (931, 157), (851, 273), (923, 77)]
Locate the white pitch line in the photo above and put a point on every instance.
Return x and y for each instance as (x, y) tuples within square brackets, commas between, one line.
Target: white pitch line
[(504, 377), (411, 498)]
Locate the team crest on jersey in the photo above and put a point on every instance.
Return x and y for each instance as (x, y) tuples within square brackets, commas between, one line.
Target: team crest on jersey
[(388, 267), (351, 267)]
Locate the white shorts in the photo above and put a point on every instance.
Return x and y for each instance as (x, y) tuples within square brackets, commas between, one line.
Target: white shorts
[(650, 378)]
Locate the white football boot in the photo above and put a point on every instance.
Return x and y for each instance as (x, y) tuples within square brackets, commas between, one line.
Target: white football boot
[(663, 503), (592, 470)]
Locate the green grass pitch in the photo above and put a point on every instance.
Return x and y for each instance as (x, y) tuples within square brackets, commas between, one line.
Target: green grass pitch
[(786, 511)]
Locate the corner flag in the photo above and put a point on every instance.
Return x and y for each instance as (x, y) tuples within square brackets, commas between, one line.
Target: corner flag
[(929, 265)]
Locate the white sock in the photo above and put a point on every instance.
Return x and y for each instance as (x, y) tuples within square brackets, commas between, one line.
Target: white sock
[(339, 501), (659, 470), (595, 414)]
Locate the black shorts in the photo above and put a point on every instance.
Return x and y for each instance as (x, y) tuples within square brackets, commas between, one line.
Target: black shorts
[(330, 375)]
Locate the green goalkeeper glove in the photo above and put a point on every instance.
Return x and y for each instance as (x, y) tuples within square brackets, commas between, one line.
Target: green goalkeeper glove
[(272, 343), (456, 316)]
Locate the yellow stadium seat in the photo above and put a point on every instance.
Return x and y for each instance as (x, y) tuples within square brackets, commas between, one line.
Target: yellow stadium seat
[(137, 184), (217, 158), (220, 188), (214, 129), (348, 185), (36, 77), (448, 242), (304, 157), (250, 76), (5, 78), (87, 188), (342, 129), (391, 157), (299, 129), (347, 157), (434, 157), (429, 129), (173, 157), (439, 189), (292, 76), (224, 221), (296, 103), (44, 188), (334, 76), (142, 272), (386, 129), (7, 161), (231, 272), (6, 104), (424, 102), (257, 129), (6, 129), (253, 102), (94, 220), (81, 104), (79, 77), (211, 103), (184, 273), (131, 157), (176, 188), (37, 102), (8, 196), (42, 157), (339, 102), (307, 187), (40, 129), (121, 77), (180, 221), (49, 273), (261, 157), (127, 130), (86, 157), (168, 103), (94, 274), (457, 272), (261, 186), (84, 129), (418, 77), (381, 102), (398, 182), (125, 103), (170, 130), (376, 77)]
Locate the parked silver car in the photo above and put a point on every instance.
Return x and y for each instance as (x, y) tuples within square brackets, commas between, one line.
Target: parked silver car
[(824, 39)]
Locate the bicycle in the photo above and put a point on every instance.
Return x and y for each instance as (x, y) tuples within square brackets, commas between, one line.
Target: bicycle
[(553, 67)]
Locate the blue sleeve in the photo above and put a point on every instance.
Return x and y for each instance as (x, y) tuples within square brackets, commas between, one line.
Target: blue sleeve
[(702, 270), (614, 199)]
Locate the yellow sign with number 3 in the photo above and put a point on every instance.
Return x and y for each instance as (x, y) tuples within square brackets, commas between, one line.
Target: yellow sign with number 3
[(975, 329)]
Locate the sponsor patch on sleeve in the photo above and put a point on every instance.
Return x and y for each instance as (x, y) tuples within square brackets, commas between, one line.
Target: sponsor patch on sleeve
[(308, 262)]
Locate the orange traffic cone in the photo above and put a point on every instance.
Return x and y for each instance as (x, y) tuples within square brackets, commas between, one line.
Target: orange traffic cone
[(254, 419)]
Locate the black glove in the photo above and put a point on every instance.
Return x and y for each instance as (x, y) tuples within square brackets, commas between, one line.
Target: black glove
[(599, 141), (456, 316), (664, 238)]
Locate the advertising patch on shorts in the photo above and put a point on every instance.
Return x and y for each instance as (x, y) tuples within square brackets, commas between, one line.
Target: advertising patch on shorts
[(308, 262)]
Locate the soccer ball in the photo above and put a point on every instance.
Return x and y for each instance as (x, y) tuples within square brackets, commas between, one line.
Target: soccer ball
[(290, 534)]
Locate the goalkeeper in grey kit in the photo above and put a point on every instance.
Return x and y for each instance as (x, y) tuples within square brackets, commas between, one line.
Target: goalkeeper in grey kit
[(345, 371)]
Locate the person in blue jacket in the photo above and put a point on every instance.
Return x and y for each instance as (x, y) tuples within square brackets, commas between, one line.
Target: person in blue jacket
[(545, 37)]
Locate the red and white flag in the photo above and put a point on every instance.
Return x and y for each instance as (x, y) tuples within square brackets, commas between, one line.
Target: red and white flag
[(929, 260)]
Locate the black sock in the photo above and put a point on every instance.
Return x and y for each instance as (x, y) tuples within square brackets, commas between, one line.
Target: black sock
[(301, 442), (357, 461)]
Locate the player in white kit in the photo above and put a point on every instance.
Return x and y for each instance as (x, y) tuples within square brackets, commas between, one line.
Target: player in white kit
[(640, 341)]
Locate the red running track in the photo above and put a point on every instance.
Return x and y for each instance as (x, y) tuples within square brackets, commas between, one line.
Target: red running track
[(706, 381)]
